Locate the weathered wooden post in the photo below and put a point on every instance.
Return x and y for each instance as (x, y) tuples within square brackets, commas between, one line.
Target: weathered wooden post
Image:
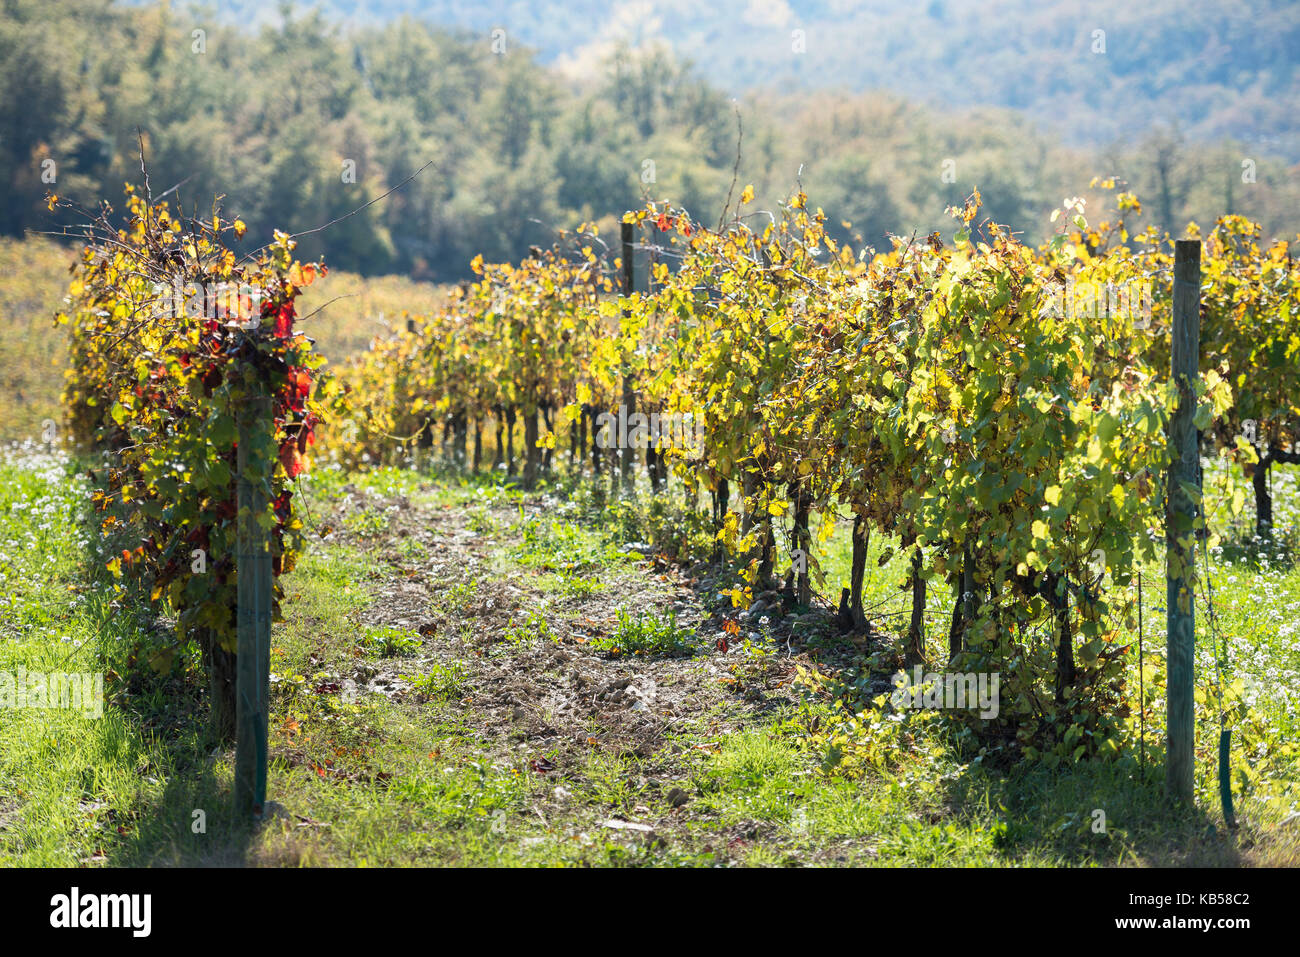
[(254, 591), (628, 478), (1180, 516), (1142, 695)]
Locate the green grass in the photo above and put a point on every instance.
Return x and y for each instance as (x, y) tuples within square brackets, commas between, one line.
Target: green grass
[(440, 681), (570, 584), (1253, 642), (69, 780), (646, 633), (434, 486), (534, 626), (367, 780), (564, 546), (389, 642)]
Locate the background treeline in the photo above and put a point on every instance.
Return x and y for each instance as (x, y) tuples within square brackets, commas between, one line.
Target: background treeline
[(1221, 68), (272, 117)]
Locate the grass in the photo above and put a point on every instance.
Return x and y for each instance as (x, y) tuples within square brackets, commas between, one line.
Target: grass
[(365, 780), (389, 642), (534, 626), (646, 633), (1251, 641), (564, 546), (94, 773), (570, 584), (440, 681)]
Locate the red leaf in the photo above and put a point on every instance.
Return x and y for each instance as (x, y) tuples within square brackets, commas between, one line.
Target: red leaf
[(284, 320), (289, 458)]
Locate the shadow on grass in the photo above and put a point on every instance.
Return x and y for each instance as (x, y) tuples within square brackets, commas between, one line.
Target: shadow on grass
[(165, 735), (1095, 814), (191, 821), (191, 825)]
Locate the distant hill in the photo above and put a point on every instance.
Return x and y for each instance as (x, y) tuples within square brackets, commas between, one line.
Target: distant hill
[(1218, 68), (422, 148)]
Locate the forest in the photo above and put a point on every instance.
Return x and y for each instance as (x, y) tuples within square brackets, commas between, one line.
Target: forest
[(299, 122)]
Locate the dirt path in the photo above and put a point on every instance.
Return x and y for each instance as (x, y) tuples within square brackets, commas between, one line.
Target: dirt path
[(530, 685), (535, 677)]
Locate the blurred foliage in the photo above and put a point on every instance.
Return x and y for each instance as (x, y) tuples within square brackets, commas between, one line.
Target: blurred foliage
[(33, 282), (281, 108), (1219, 67), (343, 316)]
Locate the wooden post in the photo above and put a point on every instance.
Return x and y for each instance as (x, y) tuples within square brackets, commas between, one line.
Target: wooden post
[(1142, 695), (255, 589), (1181, 508), (628, 478)]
